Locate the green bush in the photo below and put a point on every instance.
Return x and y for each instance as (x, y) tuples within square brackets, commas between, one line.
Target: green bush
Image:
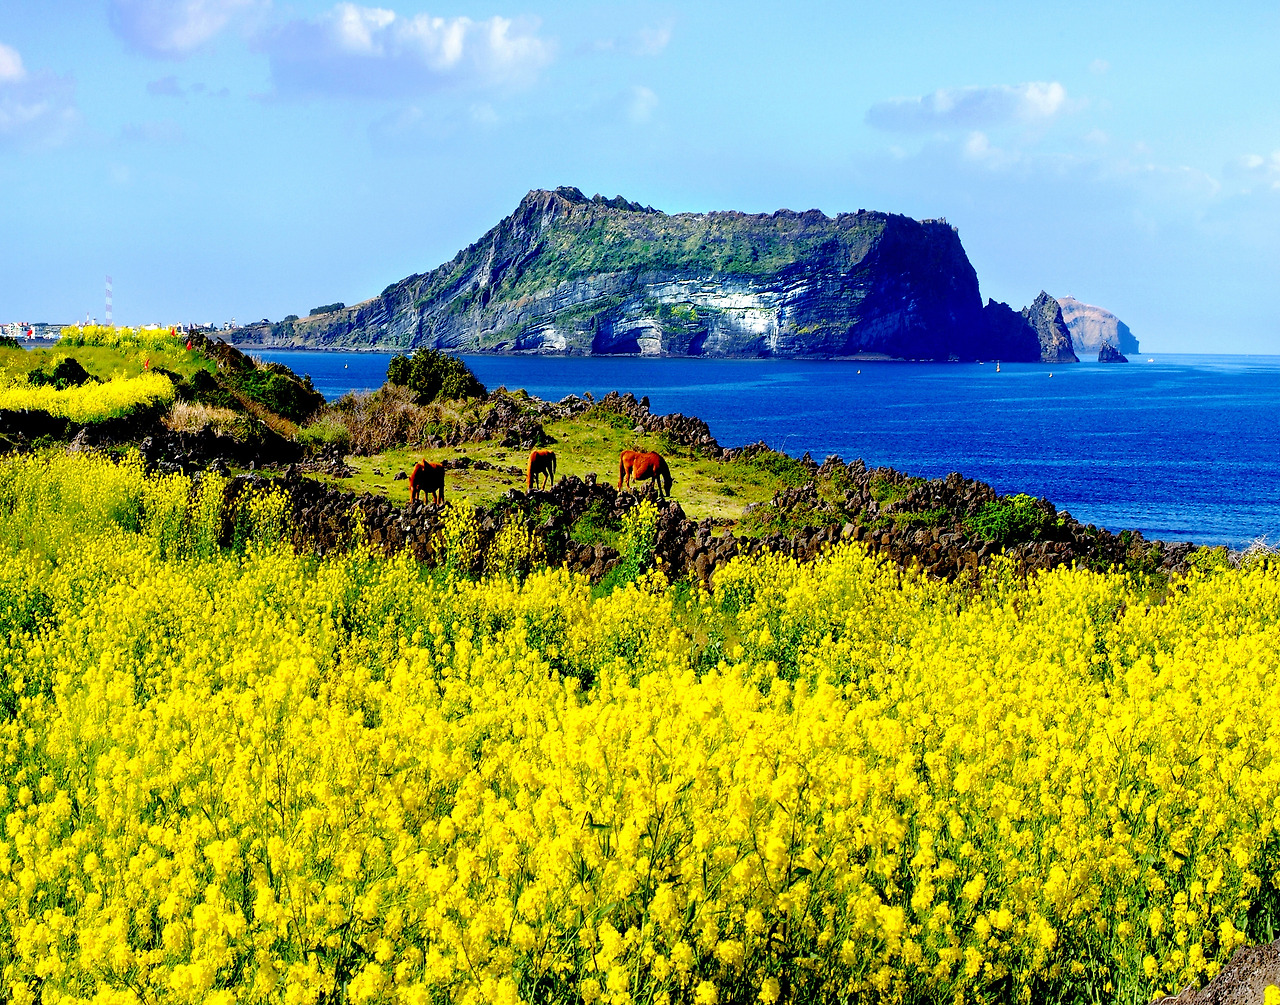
[(67, 372), (330, 430), (282, 393), (1009, 518), (431, 374)]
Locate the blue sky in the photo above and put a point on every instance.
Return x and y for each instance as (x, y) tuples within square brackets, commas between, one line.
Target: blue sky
[(256, 158)]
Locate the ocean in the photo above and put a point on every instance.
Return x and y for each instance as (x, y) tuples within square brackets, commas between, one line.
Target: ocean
[(1180, 447)]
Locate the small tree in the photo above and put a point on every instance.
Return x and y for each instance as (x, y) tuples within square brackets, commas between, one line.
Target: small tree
[(432, 374)]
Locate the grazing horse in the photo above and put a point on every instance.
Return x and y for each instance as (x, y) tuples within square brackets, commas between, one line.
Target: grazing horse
[(638, 464), (427, 477), (541, 462)]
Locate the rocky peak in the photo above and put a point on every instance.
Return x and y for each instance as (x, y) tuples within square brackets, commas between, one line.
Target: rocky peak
[(1107, 353), (1045, 316)]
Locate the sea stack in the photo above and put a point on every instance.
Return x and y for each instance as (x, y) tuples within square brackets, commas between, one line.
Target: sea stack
[(1045, 316), (1107, 353)]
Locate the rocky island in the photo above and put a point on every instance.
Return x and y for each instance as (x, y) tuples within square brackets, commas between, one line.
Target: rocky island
[(569, 274), (1093, 327)]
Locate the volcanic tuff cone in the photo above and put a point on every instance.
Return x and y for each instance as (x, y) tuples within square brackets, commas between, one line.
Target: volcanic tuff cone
[(1091, 327), (569, 274)]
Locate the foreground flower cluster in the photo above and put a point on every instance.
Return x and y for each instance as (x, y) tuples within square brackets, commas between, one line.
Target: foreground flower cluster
[(251, 775)]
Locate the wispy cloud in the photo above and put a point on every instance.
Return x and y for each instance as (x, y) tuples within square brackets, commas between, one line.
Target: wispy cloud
[(649, 40), (355, 51), (36, 108), (970, 108), (641, 105), (164, 132), (1259, 171), (11, 67), (173, 28), (165, 87)]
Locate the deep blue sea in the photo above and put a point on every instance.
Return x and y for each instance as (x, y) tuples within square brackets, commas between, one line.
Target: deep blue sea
[(1186, 447)]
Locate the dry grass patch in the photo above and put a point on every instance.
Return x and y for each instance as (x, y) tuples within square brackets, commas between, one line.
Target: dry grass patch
[(191, 417)]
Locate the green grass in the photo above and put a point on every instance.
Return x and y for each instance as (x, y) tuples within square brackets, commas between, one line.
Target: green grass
[(585, 444)]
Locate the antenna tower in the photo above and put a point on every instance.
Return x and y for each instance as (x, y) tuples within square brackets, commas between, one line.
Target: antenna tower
[(108, 301)]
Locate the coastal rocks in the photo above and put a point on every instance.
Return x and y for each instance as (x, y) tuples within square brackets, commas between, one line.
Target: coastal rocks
[(1107, 353), (1045, 316), (1091, 327)]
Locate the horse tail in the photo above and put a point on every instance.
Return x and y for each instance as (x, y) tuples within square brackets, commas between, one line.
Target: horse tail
[(552, 458), (665, 473), (528, 475), (622, 468)]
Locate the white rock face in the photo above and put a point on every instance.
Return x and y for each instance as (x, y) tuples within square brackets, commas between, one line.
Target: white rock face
[(1091, 326)]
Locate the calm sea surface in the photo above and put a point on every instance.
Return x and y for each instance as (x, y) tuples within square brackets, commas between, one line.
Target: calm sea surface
[(1182, 448)]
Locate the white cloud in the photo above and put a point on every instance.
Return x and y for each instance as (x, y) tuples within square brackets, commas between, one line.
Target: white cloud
[(1258, 171), (373, 52), (642, 104), (651, 41), (971, 108), (173, 28), (10, 64), (36, 109)]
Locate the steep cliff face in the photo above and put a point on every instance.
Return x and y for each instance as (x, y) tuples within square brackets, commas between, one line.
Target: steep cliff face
[(1091, 327), (568, 274), (1045, 316), (1009, 336)]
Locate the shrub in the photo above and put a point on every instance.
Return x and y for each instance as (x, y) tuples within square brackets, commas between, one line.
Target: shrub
[(432, 374), (387, 418), (67, 372), (328, 430), (1009, 518)]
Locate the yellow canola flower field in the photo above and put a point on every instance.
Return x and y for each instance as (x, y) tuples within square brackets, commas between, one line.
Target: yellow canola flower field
[(252, 775), (91, 402), (119, 337)]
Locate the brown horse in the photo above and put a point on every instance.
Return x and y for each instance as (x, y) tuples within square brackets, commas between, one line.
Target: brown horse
[(427, 477), (541, 462), (638, 464)]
